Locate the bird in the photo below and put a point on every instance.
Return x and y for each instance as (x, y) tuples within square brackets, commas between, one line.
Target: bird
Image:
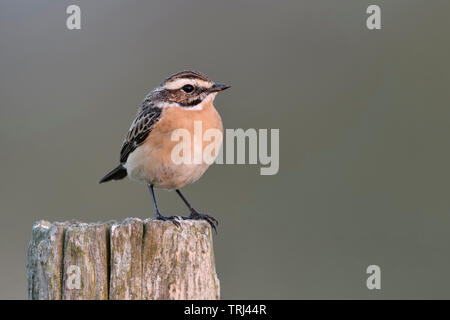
[(146, 154)]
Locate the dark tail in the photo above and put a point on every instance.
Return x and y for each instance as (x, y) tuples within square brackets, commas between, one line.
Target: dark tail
[(116, 174)]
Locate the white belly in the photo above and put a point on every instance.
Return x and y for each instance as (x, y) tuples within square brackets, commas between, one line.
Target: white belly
[(147, 165)]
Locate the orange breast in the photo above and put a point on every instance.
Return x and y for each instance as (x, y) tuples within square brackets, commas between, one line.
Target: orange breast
[(152, 162), (177, 118)]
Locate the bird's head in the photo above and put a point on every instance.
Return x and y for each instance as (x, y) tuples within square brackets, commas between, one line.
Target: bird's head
[(186, 89)]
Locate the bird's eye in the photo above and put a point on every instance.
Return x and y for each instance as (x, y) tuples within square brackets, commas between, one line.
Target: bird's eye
[(188, 88)]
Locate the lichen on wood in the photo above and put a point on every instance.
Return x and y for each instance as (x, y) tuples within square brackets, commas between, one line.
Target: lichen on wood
[(178, 263), (130, 260), (126, 260), (85, 247), (44, 261)]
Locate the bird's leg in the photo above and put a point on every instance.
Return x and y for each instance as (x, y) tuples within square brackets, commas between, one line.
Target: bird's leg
[(198, 216), (157, 213)]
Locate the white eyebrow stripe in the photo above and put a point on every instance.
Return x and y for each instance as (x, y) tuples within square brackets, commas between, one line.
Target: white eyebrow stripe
[(177, 84)]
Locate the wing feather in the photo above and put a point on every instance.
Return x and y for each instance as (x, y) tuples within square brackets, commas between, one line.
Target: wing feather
[(139, 130)]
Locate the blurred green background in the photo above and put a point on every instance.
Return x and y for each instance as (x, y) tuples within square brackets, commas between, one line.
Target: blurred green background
[(363, 118)]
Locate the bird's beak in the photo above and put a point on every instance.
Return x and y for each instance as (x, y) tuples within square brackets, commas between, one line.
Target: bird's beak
[(218, 87)]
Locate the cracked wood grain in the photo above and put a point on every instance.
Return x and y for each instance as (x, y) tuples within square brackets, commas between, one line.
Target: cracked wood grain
[(128, 260)]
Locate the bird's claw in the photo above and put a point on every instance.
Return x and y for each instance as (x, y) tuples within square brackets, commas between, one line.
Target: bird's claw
[(201, 216), (174, 219)]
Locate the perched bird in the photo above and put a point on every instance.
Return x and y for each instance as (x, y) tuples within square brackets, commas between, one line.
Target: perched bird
[(181, 100)]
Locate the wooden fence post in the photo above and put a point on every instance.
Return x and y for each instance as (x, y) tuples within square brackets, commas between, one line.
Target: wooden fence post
[(130, 260)]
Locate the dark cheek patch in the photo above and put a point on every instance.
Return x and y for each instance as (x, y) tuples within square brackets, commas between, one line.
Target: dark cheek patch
[(186, 99), (190, 103)]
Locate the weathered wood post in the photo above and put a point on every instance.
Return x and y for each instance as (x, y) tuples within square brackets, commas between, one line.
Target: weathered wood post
[(130, 260)]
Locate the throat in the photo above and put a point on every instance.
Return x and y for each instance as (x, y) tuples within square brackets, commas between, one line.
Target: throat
[(194, 107)]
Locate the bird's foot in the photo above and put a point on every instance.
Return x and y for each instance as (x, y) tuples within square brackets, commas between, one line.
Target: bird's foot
[(174, 219), (201, 216)]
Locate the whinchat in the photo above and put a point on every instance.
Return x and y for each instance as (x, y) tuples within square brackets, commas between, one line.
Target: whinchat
[(146, 155)]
